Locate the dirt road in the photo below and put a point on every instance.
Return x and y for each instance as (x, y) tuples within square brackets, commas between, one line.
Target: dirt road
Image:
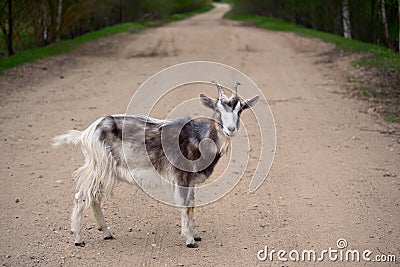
[(334, 175)]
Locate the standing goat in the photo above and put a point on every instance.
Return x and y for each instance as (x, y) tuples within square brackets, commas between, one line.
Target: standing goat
[(132, 149)]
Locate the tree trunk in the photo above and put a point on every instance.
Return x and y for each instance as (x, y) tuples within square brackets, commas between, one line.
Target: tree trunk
[(385, 30), (44, 24), (334, 8), (346, 19), (10, 30), (398, 2), (59, 19), (313, 20)]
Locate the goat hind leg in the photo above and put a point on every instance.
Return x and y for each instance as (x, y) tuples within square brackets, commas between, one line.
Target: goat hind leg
[(76, 219), (98, 214)]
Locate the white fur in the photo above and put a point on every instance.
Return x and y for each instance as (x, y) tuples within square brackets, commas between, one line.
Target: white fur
[(229, 120)]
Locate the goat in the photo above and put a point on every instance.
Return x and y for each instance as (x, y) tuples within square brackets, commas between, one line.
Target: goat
[(113, 151)]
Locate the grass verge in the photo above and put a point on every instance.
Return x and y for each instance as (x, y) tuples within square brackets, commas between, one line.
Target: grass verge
[(65, 45), (68, 45), (382, 83)]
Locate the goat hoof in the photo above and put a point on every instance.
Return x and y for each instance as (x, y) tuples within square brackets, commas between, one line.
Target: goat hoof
[(81, 244), (197, 238), (109, 237), (193, 245)]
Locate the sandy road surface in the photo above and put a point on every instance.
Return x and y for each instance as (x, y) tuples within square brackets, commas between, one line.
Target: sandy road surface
[(334, 175)]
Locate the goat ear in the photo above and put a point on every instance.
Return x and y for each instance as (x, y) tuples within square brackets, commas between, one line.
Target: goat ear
[(248, 103), (208, 102)]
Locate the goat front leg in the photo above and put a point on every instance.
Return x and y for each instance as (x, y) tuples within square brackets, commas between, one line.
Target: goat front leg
[(185, 228), (190, 212), (184, 197), (196, 235)]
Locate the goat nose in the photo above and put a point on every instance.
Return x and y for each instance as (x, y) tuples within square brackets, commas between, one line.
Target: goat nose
[(231, 128)]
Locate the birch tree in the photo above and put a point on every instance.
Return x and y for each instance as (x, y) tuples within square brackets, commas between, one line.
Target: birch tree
[(385, 31), (346, 19)]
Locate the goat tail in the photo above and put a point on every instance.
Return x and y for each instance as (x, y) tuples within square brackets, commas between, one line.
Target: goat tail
[(70, 137), (96, 177)]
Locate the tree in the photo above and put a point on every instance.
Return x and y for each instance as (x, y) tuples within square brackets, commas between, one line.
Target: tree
[(384, 24), (346, 19), (398, 4), (59, 18), (6, 25)]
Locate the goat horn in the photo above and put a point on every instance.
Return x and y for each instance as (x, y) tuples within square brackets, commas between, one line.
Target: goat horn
[(219, 87), (235, 88)]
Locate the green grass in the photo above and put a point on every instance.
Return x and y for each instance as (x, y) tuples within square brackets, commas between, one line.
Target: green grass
[(392, 117), (65, 45), (367, 91), (188, 14), (68, 45), (380, 57), (281, 25)]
